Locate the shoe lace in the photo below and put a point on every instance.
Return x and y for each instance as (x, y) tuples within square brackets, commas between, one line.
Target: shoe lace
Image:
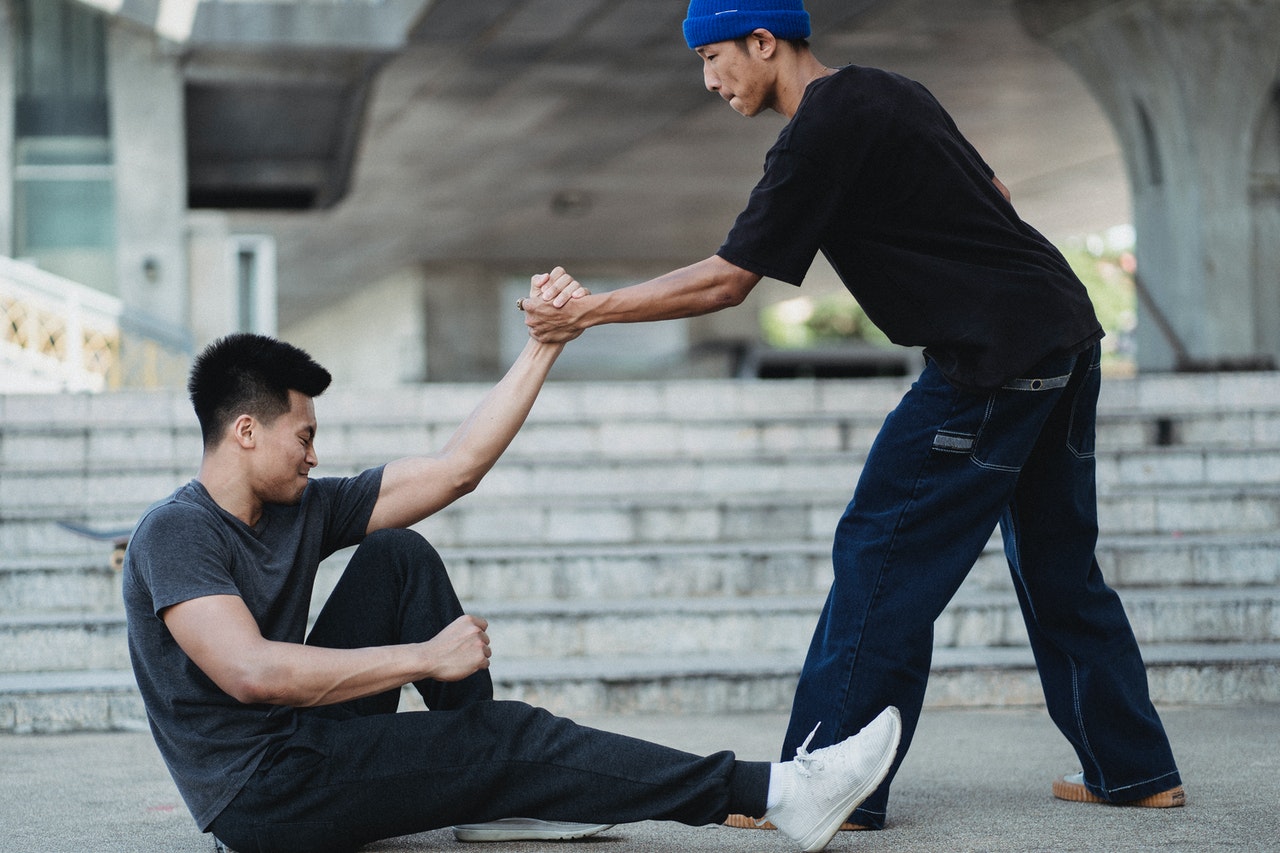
[(806, 762)]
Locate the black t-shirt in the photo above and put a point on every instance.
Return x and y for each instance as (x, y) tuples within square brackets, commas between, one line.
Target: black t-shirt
[(186, 547), (873, 172)]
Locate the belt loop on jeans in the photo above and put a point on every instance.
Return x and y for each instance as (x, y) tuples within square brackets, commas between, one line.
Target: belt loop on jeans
[(1037, 384)]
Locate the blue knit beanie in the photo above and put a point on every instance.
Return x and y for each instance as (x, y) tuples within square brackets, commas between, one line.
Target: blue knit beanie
[(710, 21)]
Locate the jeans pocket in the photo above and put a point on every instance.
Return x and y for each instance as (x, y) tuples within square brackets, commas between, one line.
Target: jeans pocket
[(1014, 415)]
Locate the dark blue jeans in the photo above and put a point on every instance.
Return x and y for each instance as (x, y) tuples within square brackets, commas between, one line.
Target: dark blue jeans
[(947, 466), (357, 772)]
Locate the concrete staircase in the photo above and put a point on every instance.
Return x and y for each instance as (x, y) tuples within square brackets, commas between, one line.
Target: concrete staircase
[(665, 546)]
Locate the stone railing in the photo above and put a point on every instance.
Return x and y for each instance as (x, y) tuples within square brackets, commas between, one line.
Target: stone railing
[(57, 335)]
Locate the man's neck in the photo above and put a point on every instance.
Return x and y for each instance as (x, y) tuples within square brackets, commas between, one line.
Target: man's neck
[(227, 488), (802, 70)]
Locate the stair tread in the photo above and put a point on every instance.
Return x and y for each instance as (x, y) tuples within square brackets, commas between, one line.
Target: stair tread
[(717, 604), (627, 667)]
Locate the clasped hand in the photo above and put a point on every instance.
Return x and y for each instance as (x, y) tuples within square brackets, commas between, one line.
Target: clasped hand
[(548, 314)]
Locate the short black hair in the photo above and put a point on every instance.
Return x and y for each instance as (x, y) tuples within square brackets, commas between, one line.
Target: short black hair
[(249, 374)]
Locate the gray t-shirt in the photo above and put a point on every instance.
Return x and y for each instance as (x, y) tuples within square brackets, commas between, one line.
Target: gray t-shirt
[(185, 547)]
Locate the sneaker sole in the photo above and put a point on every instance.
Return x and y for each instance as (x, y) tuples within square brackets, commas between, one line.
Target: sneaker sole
[(741, 821), (1074, 792), (501, 834)]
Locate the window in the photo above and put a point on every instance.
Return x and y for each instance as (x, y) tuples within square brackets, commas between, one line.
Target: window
[(253, 259), (64, 193)]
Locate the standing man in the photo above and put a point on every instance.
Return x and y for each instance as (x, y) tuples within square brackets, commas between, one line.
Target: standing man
[(999, 428), (283, 746)]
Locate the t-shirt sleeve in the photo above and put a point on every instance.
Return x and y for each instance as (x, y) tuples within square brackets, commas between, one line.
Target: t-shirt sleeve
[(178, 555), (781, 229), (816, 178), (348, 506)]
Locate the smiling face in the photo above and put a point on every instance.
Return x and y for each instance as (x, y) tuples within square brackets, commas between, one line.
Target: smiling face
[(285, 452), (739, 72)]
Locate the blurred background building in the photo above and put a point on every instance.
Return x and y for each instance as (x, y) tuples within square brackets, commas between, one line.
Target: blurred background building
[(376, 180)]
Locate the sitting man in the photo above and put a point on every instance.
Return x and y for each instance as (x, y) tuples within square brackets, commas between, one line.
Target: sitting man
[(277, 744)]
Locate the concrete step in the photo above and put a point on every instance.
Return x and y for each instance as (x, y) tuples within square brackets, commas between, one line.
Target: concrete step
[(1208, 674), (974, 619), (1204, 409), (767, 568), (562, 629), (109, 495), (485, 519), (675, 569), (59, 584), (677, 420), (1178, 675)]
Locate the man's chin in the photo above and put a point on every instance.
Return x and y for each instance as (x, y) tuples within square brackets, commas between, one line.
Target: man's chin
[(294, 497)]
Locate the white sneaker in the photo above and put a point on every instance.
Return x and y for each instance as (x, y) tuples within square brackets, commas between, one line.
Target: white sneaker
[(822, 788), (526, 829)]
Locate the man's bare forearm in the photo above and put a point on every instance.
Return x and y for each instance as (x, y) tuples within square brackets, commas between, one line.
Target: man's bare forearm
[(308, 676), (416, 487), (221, 637), (702, 288)]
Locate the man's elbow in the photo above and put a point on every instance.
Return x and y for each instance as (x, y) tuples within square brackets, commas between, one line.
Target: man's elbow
[(250, 685), (733, 289), (248, 690), (727, 297), (467, 478)]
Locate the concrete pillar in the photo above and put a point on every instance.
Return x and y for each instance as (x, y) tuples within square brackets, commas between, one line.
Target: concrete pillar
[(7, 51), (150, 174), (1264, 198), (1190, 87), (213, 297)]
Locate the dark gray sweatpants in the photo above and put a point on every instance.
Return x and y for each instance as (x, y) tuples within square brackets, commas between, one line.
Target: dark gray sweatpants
[(359, 772)]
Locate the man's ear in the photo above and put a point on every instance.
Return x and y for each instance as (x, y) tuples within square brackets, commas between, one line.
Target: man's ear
[(242, 430), (762, 42)]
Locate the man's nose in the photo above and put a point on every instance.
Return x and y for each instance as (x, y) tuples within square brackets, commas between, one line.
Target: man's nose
[(710, 80)]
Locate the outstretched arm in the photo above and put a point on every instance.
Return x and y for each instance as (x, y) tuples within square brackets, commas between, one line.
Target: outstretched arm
[(702, 288), (416, 487)]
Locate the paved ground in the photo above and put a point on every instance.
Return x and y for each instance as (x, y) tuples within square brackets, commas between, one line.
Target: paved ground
[(974, 781)]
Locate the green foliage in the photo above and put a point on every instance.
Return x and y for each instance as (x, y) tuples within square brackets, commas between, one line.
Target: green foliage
[(1105, 270), (1107, 274), (805, 322)]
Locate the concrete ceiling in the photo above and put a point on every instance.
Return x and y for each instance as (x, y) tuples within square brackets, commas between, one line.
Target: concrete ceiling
[(520, 133)]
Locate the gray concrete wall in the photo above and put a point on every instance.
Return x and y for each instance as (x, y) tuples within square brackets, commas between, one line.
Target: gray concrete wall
[(462, 332), (373, 339)]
